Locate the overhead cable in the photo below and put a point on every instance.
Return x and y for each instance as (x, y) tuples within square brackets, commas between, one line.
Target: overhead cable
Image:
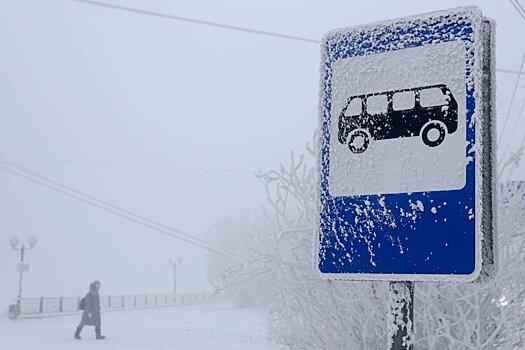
[(195, 21), (220, 25), (35, 177)]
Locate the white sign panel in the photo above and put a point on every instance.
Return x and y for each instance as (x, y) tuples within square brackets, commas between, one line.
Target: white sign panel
[(406, 163)]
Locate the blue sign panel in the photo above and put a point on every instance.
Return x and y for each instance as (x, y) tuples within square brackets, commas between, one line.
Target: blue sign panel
[(406, 149)]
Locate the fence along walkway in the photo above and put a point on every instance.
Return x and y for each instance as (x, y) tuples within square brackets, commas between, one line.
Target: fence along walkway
[(58, 305)]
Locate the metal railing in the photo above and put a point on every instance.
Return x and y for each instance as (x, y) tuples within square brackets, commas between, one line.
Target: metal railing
[(60, 305)]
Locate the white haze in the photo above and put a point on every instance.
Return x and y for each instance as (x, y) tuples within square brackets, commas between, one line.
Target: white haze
[(95, 85)]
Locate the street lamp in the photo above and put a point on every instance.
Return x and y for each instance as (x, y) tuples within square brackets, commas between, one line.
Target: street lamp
[(14, 242), (32, 241), (21, 267), (174, 262)]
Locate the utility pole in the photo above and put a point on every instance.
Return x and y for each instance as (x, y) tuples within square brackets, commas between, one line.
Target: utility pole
[(174, 263), (22, 266)]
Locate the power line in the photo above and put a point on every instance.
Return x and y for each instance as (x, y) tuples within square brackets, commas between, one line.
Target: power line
[(195, 21), (512, 98), (221, 25), (35, 177), (514, 129), (522, 143), (519, 8), (130, 166), (510, 71)]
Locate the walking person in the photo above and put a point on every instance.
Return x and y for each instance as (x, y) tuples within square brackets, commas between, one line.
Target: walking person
[(91, 314)]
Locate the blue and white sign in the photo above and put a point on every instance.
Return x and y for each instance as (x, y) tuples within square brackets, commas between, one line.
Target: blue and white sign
[(406, 150)]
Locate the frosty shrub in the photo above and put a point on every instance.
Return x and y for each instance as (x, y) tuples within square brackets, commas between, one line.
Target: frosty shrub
[(246, 282), (307, 313)]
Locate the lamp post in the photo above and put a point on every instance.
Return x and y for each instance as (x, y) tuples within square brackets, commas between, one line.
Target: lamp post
[(174, 263), (21, 267)]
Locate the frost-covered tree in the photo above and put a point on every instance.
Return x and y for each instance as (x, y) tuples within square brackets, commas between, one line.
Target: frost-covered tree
[(246, 281), (481, 315), (308, 313)]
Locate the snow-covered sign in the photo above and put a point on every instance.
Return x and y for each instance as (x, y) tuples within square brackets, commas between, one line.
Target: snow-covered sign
[(406, 149)]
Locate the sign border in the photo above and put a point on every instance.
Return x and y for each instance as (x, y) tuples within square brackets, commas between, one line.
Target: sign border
[(485, 165)]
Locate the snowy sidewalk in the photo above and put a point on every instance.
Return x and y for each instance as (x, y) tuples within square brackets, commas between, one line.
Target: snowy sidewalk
[(192, 327)]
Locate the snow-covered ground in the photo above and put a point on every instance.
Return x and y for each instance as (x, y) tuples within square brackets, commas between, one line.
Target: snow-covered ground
[(192, 327)]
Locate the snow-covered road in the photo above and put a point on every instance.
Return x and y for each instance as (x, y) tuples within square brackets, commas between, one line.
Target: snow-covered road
[(192, 327)]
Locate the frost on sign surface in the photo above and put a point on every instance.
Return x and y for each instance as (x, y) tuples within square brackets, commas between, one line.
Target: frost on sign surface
[(399, 103), (401, 158)]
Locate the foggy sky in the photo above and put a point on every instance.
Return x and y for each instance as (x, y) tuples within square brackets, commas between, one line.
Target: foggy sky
[(208, 106)]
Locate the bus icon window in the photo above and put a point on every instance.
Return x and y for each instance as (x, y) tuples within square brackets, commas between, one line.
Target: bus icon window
[(430, 112)]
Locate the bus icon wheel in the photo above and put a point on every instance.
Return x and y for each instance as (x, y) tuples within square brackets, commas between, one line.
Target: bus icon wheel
[(433, 133), (358, 141)]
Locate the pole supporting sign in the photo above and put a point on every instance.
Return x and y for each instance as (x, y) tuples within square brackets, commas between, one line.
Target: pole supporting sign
[(407, 150)]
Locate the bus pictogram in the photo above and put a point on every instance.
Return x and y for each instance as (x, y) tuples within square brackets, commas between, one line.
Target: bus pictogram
[(430, 112)]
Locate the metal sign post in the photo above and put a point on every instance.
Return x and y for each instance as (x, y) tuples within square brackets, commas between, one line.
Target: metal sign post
[(407, 155), (401, 317)]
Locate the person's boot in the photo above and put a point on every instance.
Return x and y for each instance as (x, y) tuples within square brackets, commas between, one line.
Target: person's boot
[(98, 335), (77, 333)]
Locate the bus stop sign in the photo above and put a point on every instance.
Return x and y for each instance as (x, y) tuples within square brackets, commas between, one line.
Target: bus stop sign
[(406, 150)]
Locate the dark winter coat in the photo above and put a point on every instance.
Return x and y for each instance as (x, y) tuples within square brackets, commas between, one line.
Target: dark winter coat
[(92, 307)]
